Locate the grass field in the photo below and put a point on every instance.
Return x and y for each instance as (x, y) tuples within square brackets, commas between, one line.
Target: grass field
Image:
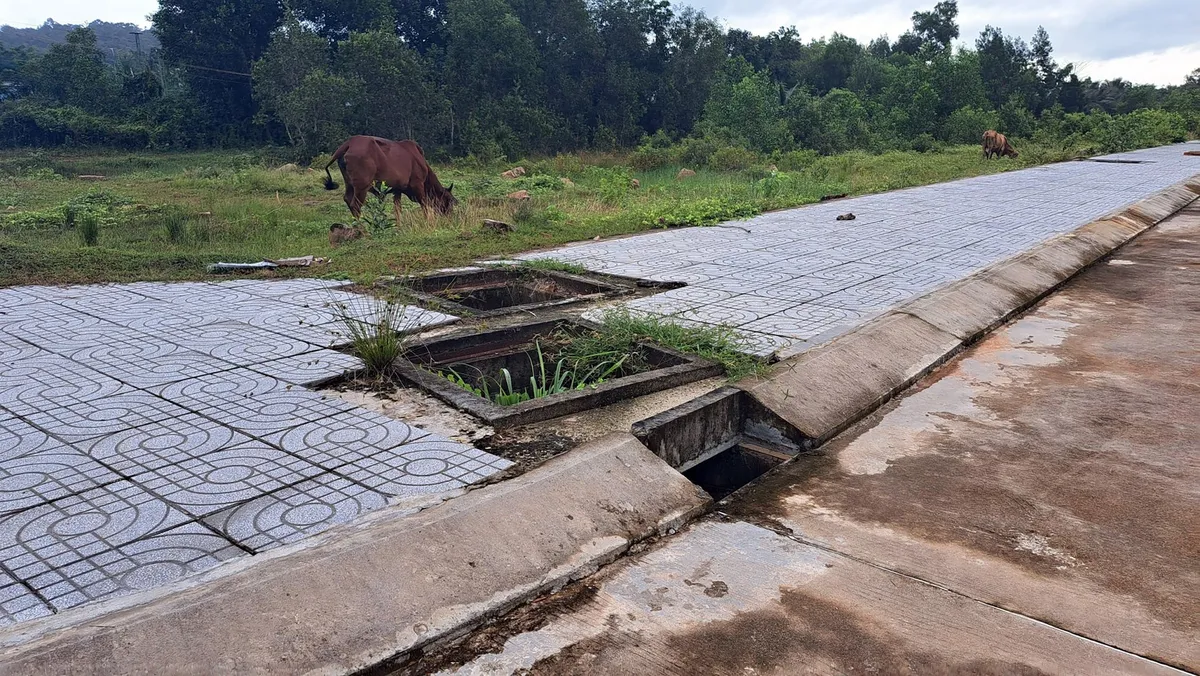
[(168, 215)]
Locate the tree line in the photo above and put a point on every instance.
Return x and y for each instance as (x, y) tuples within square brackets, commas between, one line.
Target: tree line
[(496, 78)]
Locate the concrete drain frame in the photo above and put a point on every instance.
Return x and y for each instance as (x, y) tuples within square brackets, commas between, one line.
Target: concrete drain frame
[(494, 291), (722, 441), (512, 347)]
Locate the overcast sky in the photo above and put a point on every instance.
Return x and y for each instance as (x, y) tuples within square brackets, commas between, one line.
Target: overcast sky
[(1154, 41)]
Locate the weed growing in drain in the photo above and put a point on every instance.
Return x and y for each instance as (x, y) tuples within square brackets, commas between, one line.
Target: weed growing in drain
[(543, 383), (376, 328), (89, 229), (552, 265), (621, 331)]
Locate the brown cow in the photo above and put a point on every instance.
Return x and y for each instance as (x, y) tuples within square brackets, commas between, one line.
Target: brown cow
[(366, 161), (996, 144)]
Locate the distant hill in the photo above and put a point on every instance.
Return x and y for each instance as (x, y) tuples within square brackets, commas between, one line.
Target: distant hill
[(109, 36)]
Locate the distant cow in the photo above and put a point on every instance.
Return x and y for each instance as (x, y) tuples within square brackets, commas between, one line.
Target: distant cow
[(996, 144), (366, 161)]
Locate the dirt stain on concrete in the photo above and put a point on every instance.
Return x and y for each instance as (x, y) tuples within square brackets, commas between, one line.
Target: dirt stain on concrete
[(803, 634)]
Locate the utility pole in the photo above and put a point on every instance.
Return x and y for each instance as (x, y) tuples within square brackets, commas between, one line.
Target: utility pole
[(137, 39)]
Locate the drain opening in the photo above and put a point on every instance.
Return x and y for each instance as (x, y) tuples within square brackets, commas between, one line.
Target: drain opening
[(731, 469), (501, 296), (487, 292)]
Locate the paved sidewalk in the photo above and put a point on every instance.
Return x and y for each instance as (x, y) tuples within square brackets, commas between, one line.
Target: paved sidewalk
[(792, 279), (151, 431), (1029, 508)]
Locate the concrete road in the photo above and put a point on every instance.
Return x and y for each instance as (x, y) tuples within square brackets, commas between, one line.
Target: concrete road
[(1032, 507)]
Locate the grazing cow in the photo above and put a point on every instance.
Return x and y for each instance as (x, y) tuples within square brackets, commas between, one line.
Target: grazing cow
[(366, 161), (996, 144)]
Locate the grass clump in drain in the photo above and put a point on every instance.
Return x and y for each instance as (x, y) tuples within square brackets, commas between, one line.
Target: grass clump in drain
[(621, 331), (565, 375), (377, 329)]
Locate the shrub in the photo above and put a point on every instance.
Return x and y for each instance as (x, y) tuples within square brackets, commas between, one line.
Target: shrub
[(796, 160), (648, 157), (695, 152), (967, 125), (732, 158), (1139, 129), (774, 184), (707, 211)]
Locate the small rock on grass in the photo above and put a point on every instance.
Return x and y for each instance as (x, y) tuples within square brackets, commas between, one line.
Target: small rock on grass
[(515, 172), (684, 173), (519, 195)]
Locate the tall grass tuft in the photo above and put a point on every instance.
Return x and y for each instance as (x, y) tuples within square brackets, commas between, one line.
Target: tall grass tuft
[(376, 328), (89, 229), (176, 223)]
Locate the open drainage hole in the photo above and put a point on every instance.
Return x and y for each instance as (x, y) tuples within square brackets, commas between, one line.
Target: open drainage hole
[(731, 469), (504, 295)]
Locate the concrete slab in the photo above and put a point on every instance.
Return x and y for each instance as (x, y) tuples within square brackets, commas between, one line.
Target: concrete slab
[(733, 598), (385, 584), (1050, 471)]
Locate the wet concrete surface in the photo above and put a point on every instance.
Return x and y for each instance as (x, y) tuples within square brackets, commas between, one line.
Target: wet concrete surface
[(1029, 508)]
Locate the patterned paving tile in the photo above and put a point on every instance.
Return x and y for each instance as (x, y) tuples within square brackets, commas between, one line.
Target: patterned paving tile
[(78, 526), (13, 350), (275, 411), (17, 603), (161, 444), (309, 368), (345, 438), (18, 438), (207, 391), (38, 478), (100, 417), (50, 382), (295, 512), (424, 467), (804, 322), (237, 343), (143, 564), (201, 485)]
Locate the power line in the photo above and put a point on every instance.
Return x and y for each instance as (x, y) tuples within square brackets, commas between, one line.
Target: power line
[(214, 70)]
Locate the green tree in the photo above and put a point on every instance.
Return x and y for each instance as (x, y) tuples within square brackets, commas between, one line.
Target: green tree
[(73, 73), (938, 28), (1005, 66), (215, 42)]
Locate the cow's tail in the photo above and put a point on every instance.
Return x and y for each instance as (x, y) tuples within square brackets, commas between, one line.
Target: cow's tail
[(331, 184)]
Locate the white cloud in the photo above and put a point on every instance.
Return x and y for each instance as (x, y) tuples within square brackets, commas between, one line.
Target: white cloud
[(1168, 66)]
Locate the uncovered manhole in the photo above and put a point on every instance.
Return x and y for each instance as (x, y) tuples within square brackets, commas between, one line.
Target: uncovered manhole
[(518, 375), (490, 292)]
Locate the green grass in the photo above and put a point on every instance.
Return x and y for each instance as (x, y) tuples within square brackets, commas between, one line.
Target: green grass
[(621, 331), (552, 265), (167, 215)]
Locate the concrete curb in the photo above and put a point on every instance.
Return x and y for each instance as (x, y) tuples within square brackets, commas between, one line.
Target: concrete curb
[(379, 588), (824, 390)]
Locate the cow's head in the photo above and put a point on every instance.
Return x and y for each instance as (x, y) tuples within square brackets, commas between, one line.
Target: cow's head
[(1011, 152), (444, 200)]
